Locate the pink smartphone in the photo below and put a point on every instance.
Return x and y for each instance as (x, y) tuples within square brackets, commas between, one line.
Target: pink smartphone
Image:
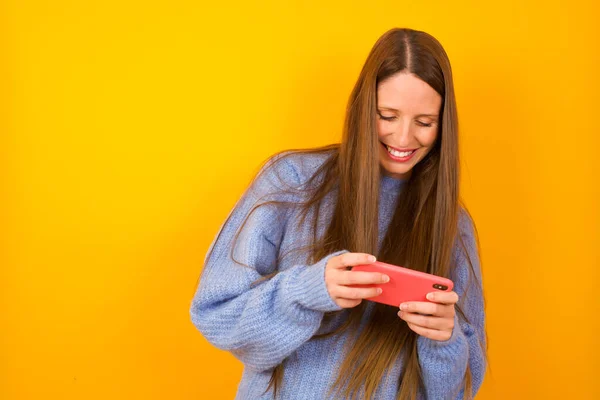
[(405, 284)]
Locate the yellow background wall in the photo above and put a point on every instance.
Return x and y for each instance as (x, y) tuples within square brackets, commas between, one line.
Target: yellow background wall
[(130, 128)]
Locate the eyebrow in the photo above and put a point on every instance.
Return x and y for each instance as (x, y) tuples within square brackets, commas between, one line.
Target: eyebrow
[(420, 115)]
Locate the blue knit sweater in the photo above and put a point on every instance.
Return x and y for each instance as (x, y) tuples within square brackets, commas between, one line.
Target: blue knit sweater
[(273, 321)]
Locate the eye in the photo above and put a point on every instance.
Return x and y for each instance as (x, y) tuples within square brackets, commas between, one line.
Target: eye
[(386, 118), (424, 124)]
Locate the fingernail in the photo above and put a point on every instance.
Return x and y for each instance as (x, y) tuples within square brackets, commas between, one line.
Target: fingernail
[(386, 278), (379, 290), (372, 258), (429, 296), (403, 306)]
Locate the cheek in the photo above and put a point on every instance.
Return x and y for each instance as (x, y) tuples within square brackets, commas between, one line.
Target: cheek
[(427, 138), (380, 128)]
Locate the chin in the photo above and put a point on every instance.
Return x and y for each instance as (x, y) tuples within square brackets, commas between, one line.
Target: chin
[(403, 173)]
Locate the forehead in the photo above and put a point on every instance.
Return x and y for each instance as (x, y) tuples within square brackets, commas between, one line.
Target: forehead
[(408, 94)]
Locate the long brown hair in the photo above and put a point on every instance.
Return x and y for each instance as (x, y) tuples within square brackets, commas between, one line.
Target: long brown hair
[(423, 229)]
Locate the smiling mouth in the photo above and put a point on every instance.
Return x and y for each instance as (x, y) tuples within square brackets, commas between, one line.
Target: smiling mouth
[(399, 153)]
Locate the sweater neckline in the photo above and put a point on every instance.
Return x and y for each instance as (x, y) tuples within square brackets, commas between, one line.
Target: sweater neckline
[(389, 183)]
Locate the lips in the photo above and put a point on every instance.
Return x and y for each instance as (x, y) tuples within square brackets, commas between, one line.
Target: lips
[(399, 155)]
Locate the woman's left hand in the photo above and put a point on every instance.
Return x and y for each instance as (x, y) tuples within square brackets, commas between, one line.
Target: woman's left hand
[(434, 319)]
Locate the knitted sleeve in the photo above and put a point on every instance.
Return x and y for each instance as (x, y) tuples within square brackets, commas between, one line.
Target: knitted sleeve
[(443, 364), (259, 323)]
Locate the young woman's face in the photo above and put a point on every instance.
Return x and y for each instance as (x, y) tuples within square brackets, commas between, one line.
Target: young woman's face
[(407, 123)]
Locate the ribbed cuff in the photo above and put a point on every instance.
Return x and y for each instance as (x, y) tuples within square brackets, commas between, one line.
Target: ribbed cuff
[(310, 290), (452, 348)]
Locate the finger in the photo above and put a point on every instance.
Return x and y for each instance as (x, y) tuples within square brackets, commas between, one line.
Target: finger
[(427, 308), (424, 321), (346, 303), (362, 278), (443, 297), (347, 292), (433, 334), (351, 259)]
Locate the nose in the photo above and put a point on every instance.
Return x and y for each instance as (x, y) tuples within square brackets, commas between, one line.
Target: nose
[(402, 134)]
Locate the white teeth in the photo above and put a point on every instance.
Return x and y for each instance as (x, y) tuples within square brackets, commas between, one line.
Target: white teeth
[(397, 153)]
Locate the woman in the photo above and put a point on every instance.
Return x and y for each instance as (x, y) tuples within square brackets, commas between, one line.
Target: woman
[(277, 288)]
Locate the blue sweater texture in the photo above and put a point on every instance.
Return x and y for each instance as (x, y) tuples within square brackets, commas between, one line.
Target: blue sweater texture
[(274, 321)]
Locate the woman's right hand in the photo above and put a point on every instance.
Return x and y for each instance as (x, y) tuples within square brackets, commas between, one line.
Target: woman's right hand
[(338, 277)]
